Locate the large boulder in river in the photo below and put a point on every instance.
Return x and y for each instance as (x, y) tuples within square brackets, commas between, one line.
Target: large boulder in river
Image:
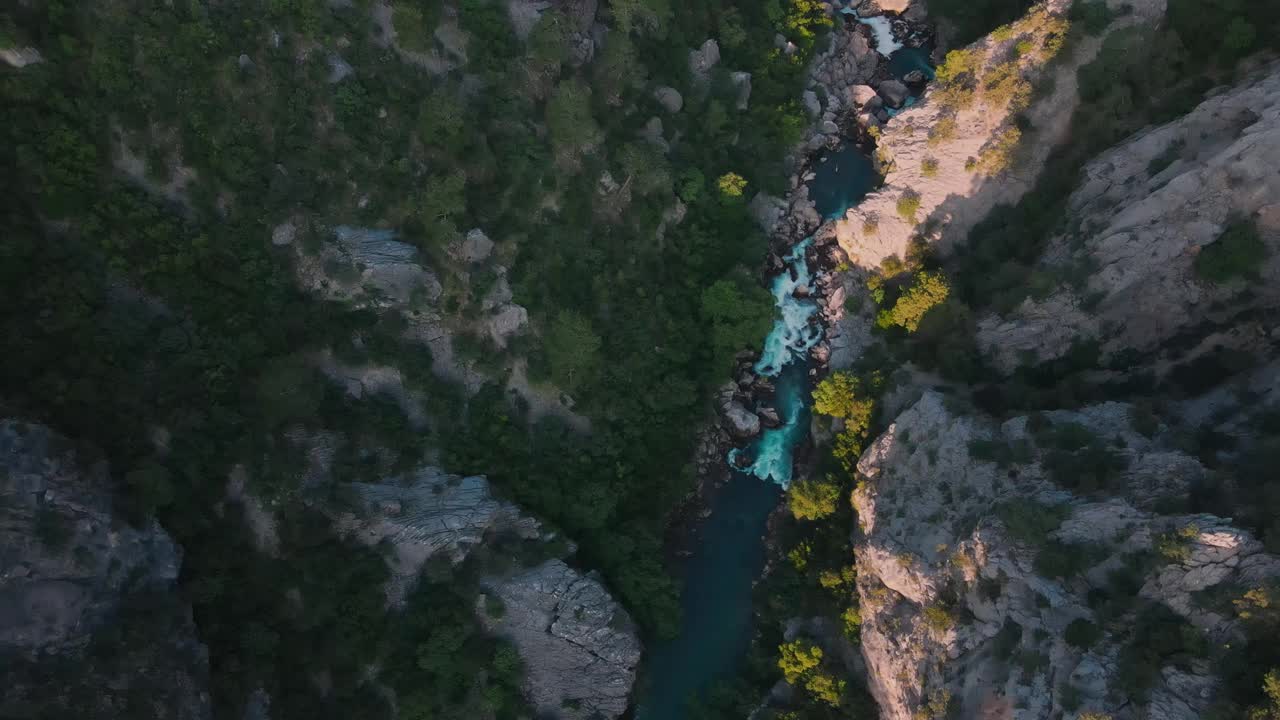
[(742, 422), (895, 94)]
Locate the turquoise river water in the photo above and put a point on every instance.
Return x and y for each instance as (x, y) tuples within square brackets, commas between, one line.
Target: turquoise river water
[(715, 630)]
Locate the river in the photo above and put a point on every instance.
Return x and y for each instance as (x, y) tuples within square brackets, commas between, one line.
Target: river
[(715, 630)]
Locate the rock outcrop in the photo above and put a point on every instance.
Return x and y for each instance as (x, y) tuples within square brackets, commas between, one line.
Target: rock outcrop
[(1142, 214), (427, 513), (579, 646), (985, 585), (88, 610), (956, 192)]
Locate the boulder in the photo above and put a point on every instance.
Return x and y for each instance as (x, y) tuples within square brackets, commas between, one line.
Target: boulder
[(864, 95), (669, 98), (894, 93), (702, 60), (506, 321), (473, 248), (742, 422), (811, 104)]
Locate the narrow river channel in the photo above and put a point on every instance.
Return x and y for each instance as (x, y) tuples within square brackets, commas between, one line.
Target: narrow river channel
[(716, 630)]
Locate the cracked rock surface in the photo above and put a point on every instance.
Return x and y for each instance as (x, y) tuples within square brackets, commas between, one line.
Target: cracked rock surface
[(579, 645)]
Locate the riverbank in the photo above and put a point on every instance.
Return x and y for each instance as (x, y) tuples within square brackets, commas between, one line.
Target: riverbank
[(719, 539)]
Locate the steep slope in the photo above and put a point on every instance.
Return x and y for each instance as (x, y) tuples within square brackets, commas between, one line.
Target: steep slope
[(1143, 215), (987, 586)]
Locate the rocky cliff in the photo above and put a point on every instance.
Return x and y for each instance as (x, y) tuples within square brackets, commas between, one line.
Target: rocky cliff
[(89, 622), (579, 646), (989, 587), (1143, 213)]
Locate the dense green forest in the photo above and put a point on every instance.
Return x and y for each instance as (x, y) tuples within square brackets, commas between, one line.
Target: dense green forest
[(129, 308)]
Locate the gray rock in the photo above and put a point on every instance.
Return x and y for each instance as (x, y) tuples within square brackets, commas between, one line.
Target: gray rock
[(427, 513), (505, 322), (579, 647), (339, 69), (894, 93), (702, 60), (811, 104), (386, 264), (830, 128), (475, 247), (742, 422), (21, 57), (929, 515), (284, 234), (742, 81), (767, 210)]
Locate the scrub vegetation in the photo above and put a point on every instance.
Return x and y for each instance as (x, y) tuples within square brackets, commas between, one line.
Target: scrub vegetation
[(157, 300)]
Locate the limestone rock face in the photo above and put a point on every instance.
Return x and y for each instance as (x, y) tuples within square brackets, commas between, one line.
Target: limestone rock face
[(577, 643), (954, 197), (579, 646), (427, 513), (368, 265), (1142, 214), (88, 605), (958, 603)]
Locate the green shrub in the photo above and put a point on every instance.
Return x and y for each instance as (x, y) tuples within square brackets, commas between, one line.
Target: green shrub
[(929, 167), (813, 498), (1029, 521), (943, 130), (1236, 254), (1082, 634), (938, 619), (870, 225), (908, 205)]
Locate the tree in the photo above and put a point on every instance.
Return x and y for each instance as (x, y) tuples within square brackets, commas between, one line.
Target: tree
[(843, 394), (1271, 687), (569, 120), (618, 68), (441, 120), (573, 350), (740, 315), (1237, 253), (814, 499), (929, 290), (798, 659), (908, 205), (731, 185), (640, 15), (548, 45), (1082, 634), (645, 168)]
